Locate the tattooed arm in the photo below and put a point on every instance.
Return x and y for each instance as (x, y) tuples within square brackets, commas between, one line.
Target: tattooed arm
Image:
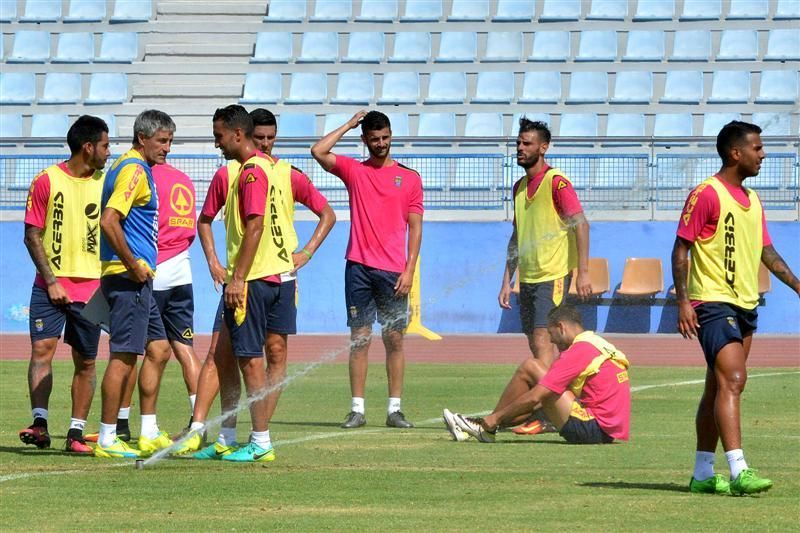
[(512, 258), (687, 318), (775, 263)]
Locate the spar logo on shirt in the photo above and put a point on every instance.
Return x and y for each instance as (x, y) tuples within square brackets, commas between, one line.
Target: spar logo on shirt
[(181, 200)]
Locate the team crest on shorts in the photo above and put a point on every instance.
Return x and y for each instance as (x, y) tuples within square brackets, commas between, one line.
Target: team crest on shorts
[(187, 333), (39, 325), (732, 322), (353, 311), (398, 181)]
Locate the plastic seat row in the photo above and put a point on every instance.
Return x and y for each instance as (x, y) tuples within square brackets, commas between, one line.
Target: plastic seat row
[(47, 124), (63, 88), (78, 11), (34, 47)]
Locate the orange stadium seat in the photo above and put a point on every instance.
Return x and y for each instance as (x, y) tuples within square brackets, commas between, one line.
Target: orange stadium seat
[(598, 275), (642, 277)]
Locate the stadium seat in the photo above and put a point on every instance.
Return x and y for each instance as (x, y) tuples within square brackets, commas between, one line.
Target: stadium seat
[(691, 45), (469, 10), (332, 11), (49, 125), (683, 87), (764, 280), (578, 125), (503, 46), (400, 88), (730, 86), (748, 9), (713, 122), (354, 88), (30, 47), (598, 276), (118, 47), (654, 10), (111, 122), (86, 11), (377, 11), (494, 88), (608, 10), (319, 47), (74, 48), (108, 88), (787, 9), (262, 88), (41, 11), (673, 125), (447, 88), (132, 11), (411, 47), (777, 87), (633, 87), (701, 10), (541, 87), (550, 46), (297, 125), (644, 45), (458, 46), (307, 88), (285, 11), (17, 87), (625, 125), (597, 45), (422, 11), (61, 88), (334, 120), (783, 45), (738, 45), (588, 88), (514, 11), (437, 125), (483, 125), (273, 47), (8, 10), (10, 125), (773, 123), (399, 122), (560, 10), (365, 47), (642, 277)]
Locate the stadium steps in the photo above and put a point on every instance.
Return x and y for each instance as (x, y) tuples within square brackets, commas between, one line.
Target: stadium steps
[(182, 52), (183, 9), (187, 86)]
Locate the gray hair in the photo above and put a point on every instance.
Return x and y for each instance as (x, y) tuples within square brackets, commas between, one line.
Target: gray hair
[(149, 122)]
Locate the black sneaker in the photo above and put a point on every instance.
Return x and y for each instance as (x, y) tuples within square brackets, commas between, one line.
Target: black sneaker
[(354, 420), (398, 420), (124, 434)]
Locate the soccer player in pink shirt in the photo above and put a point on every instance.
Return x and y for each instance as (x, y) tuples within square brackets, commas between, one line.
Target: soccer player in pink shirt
[(385, 236)]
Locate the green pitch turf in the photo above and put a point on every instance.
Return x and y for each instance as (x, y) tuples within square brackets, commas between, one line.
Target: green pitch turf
[(377, 478)]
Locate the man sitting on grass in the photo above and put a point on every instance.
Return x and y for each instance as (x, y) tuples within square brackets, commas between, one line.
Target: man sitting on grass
[(585, 393)]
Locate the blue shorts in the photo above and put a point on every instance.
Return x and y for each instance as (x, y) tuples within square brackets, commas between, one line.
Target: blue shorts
[(369, 292), (176, 306), (536, 300), (48, 320), (218, 316), (578, 431), (270, 307), (134, 317), (721, 324)]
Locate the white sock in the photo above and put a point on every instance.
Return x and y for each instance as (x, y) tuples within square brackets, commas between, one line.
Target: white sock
[(736, 462), (357, 405), (108, 433), (192, 398), (261, 438), (124, 413), (227, 436), (39, 412), (703, 465), (149, 426), (77, 423), (197, 427), (394, 405)]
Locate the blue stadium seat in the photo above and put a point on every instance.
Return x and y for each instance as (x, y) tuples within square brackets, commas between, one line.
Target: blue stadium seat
[(458, 46), (41, 11), (61, 88), (691, 45), (783, 44), (738, 45), (108, 88), (773, 123), (436, 125), (319, 47), (308, 88), (701, 10), (17, 87), (625, 125), (262, 88), (503, 46), (597, 45), (468, 10), (550, 46), (354, 88), (578, 125), (400, 88), (633, 87), (378, 11), (588, 88), (332, 11), (365, 47), (30, 47), (111, 122), (644, 45), (334, 120), (447, 88), (8, 10), (132, 11), (273, 47), (535, 117), (74, 48), (787, 9), (411, 47), (494, 88), (10, 125), (673, 125), (2, 49), (297, 125), (749, 9), (608, 10), (713, 122), (778, 87), (49, 125), (514, 11), (730, 86), (286, 11), (484, 125), (118, 47), (561, 10), (542, 87), (86, 11), (654, 10), (683, 87), (422, 11), (399, 122)]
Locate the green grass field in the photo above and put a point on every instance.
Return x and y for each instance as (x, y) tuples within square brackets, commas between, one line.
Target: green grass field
[(376, 478)]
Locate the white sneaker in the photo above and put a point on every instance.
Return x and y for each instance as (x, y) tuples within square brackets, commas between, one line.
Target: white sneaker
[(473, 427), (450, 422)]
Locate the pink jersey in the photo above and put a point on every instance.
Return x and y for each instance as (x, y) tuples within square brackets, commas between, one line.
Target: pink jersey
[(380, 201), (78, 289), (565, 199), (176, 211), (603, 395)]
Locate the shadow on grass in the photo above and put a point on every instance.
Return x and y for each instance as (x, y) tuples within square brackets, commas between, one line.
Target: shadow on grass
[(32, 452), (669, 487)]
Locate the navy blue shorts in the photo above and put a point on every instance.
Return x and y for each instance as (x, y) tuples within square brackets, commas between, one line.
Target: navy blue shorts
[(578, 431), (536, 300), (369, 292), (218, 316), (47, 321), (721, 324), (270, 307), (176, 306), (134, 317)]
